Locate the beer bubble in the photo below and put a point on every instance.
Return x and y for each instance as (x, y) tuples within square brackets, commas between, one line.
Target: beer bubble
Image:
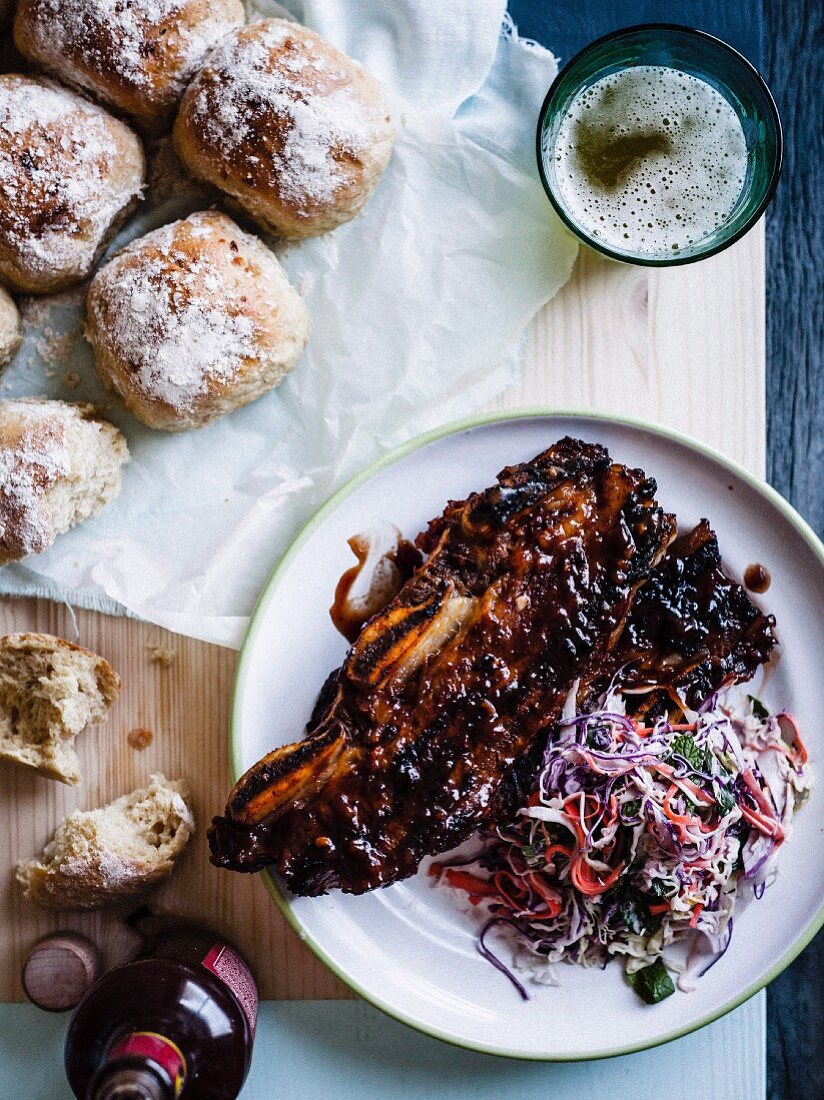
[(655, 132)]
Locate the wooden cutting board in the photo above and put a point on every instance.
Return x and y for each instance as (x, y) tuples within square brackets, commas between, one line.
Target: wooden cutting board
[(682, 347)]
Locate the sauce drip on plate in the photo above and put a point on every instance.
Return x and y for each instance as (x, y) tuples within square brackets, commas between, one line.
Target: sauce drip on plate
[(756, 578)]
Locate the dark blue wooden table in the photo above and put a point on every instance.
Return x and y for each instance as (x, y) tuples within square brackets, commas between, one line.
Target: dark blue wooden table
[(783, 38)]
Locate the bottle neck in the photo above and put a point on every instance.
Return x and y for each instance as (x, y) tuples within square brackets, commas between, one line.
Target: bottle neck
[(140, 1065), (129, 1083)]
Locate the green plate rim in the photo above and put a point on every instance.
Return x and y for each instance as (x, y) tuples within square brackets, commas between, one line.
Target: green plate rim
[(390, 458)]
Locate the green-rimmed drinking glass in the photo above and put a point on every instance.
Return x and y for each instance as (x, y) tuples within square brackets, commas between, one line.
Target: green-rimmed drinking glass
[(700, 55)]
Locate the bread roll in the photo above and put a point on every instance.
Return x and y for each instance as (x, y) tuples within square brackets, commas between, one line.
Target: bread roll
[(296, 132), (193, 320), (136, 57), (69, 173), (59, 464), (100, 857), (11, 329), (50, 690)]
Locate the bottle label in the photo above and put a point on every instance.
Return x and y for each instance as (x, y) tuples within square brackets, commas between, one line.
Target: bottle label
[(232, 970), (156, 1048)]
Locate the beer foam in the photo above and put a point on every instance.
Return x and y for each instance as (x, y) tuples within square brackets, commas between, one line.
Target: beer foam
[(650, 160)]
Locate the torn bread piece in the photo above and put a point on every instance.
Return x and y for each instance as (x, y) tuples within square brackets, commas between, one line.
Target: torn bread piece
[(50, 690), (98, 857)]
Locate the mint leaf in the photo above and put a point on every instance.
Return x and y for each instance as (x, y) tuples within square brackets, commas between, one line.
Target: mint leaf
[(758, 708), (533, 857), (685, 746), (633, 912), (632, 918), (636, 916), (699, 759), (725, 799), (652, 983)]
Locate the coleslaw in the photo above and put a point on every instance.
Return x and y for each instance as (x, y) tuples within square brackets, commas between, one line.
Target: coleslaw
[(638, 840)]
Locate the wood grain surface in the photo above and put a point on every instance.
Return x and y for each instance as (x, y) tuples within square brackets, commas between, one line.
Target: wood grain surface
[(793, 61), (616, 339)]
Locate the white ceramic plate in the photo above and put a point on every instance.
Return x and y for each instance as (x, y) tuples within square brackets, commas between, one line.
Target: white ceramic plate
[(410, 949)]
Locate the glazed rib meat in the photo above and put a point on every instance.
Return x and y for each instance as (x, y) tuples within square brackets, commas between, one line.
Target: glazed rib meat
[(525, 587), (691, 628)]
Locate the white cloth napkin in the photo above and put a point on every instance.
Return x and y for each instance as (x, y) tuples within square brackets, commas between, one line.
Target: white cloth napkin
[(418, 308)]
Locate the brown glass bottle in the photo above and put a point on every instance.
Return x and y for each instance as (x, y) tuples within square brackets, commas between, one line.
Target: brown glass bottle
[(179, 1021)]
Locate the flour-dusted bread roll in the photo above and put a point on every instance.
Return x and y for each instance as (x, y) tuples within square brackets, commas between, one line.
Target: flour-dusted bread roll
[(296, 132), (136, 56), (99, 857), (59, 464), (193, 320), (50, 690), (11, 329), (69, 173)]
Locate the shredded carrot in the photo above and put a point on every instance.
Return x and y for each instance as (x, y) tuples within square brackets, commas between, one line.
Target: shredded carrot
[(583, 878), (504, 882), (548, 894), (473, 885), (764, 818), (799, 750), (686, 785), (659, 907), (682, 821), (770, 827), (642, 731)]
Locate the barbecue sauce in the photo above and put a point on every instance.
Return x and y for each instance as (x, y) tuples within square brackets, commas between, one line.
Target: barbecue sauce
[(389, 568), (177, 1022), (756, 578)]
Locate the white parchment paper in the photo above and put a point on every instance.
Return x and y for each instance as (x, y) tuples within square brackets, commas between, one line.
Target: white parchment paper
[(418, 309)]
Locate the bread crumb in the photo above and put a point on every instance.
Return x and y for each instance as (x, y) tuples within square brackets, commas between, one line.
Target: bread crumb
[(140, 739), (54, 348), (305, 284), (161, 655), (280, 246), (56, 325), (37, 311)]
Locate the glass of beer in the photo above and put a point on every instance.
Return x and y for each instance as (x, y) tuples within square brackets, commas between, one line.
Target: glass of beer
[(659, 145)]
